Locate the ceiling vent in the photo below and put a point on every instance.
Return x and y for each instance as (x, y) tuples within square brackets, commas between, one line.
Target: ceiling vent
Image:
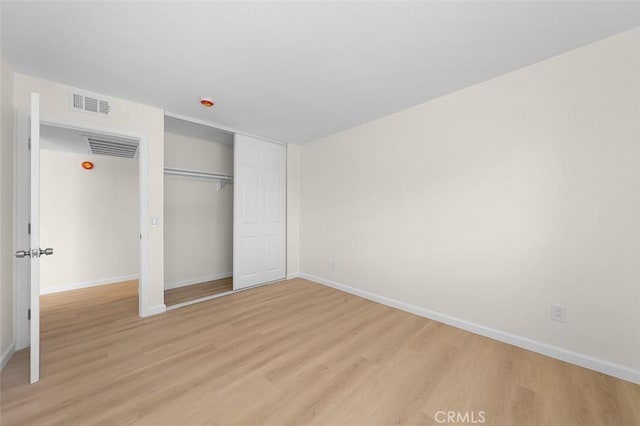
[(121, 149), (90, 103)]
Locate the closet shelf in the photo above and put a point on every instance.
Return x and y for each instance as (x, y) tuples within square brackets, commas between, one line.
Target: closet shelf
[(194, 173)]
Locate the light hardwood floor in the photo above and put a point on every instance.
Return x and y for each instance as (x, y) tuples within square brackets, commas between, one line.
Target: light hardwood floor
[(197, 291), (289, 353)]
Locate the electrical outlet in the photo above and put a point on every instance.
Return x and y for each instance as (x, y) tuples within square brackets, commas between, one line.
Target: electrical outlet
[(333, 265), (558, 313)]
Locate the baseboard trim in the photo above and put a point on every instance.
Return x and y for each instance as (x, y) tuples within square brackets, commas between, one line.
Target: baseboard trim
[(7, 354), (293, 275), (87, 284), (154, 310), (582, 360), (198, 280)]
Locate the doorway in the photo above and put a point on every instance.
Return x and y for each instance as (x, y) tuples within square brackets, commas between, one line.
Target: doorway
[(63, 145), (89, 202)]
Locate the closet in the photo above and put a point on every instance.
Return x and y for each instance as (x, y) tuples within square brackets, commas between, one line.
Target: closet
[(198, 212), (225, 212)]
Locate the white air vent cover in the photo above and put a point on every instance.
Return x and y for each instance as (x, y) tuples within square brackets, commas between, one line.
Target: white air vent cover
[(90, 103), (112, 148)]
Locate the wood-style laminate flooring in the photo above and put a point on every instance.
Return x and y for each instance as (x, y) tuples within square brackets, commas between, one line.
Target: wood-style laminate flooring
[(197, 291), (289, 353)]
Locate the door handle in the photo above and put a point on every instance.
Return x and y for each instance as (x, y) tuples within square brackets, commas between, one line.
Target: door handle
[(34, 253), (23, 253), (46, 252)]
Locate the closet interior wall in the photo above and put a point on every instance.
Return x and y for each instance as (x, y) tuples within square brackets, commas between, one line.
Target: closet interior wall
[(198, 213)]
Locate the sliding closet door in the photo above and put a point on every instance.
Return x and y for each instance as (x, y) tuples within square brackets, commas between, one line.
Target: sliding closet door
[(259, 237)]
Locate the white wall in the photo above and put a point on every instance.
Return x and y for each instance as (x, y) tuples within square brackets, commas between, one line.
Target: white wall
[(128, 118), (90, 218), (198, 218), (293, 210), (7, 245), (492, 203)]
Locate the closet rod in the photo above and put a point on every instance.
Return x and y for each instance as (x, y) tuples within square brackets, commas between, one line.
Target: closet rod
[(193, 173)]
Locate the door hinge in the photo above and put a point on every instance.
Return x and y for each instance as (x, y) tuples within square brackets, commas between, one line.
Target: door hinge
[(29, 228), (29, 143), (29, 314)]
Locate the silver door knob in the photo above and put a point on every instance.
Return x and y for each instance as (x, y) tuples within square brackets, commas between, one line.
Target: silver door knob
[(23, 253), (46, 252)]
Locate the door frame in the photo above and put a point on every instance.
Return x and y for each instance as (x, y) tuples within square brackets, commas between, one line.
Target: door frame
[(21, 283)]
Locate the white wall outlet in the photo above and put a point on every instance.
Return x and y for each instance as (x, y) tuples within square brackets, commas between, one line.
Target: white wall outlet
[(333, 265), (559, 313)]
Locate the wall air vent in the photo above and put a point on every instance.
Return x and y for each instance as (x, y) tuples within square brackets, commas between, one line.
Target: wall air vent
[(112, 148), (92, 104)]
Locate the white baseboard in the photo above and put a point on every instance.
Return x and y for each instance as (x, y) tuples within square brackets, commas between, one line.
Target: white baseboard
[(154, 310), (293, 275), (592, 363), (7, 354), (198, 280), (87, 284)]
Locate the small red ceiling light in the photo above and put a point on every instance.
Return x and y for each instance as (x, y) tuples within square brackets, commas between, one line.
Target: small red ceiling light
[(87, 165), (206, 102)]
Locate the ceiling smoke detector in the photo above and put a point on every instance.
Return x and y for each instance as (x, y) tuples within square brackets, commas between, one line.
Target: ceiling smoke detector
[(207, 102)]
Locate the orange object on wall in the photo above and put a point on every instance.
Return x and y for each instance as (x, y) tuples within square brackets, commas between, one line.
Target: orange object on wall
[(87, 165)]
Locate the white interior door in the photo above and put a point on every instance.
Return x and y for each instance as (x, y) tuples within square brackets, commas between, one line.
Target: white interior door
[(35, 237), (259, 238), (33, 252)]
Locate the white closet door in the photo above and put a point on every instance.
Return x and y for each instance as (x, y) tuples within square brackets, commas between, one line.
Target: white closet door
[(259, 237)]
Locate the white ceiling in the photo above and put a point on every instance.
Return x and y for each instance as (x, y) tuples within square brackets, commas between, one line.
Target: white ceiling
[(55, 138), (293, 71), (63, 139)]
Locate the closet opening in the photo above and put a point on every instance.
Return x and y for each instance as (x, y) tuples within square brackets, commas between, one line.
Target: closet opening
[(198, 212)]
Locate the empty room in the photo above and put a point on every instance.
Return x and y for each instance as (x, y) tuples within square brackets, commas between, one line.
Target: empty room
[(320, 212)]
